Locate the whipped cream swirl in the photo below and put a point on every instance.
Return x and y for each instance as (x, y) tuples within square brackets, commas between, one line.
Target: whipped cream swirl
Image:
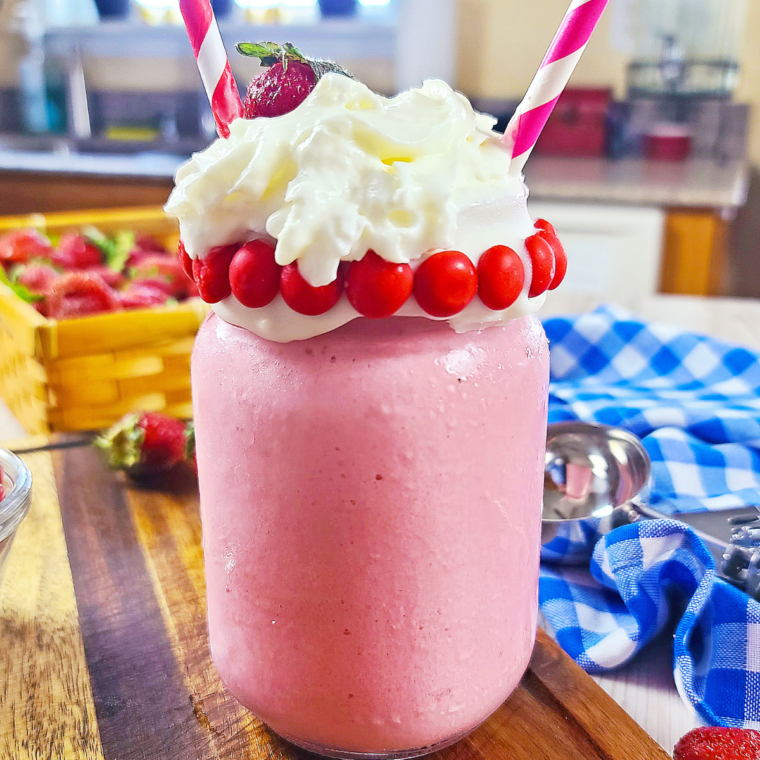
[(348, 171)]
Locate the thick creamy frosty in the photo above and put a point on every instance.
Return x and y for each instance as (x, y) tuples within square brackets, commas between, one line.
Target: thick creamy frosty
[(350, 171)]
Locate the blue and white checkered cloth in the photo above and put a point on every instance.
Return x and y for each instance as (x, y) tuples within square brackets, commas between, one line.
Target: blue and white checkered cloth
[(695, 402)]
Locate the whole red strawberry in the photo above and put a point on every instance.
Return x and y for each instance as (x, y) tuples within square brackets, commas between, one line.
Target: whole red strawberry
[(146, 443), (77, 294), (142, 295), (38, 278), (76, 251), (718, 744), (111, 276), (21, 246), (165, 272), (289, 78)]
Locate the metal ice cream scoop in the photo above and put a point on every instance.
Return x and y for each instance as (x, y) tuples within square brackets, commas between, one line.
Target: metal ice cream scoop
[(597, 478)]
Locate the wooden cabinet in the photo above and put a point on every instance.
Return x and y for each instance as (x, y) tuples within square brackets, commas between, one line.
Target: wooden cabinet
[(30, 192)]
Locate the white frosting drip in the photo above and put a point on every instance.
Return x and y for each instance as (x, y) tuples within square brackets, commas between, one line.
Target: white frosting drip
[(348, 171)]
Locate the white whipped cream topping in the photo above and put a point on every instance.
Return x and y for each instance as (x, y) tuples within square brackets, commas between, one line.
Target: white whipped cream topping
[(348, 171)]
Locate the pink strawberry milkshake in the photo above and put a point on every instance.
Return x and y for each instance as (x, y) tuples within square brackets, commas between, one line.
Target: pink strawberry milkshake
[(370, 488)]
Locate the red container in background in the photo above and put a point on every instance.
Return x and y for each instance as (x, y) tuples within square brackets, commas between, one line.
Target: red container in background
[(578, 125), (668, 142)]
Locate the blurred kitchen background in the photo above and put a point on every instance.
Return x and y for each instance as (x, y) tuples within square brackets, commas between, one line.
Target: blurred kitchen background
[(650, 166)]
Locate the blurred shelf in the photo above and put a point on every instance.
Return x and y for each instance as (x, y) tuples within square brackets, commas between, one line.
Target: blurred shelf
[(356, 38)]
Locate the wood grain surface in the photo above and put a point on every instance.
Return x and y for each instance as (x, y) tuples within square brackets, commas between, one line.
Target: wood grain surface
[(133, 680)]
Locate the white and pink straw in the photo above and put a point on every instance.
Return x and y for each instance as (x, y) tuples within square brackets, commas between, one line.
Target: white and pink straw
[(213, 64), (559, 63), (524, 129)]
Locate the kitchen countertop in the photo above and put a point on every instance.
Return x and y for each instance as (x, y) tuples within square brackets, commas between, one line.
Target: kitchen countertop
[(696, 183)]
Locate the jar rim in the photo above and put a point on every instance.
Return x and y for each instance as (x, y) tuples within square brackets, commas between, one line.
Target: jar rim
[(15, 505)]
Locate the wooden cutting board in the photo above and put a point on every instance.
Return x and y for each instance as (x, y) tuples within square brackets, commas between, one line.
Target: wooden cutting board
[(103, 646)]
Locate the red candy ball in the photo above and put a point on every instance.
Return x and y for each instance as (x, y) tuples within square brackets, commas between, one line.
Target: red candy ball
[(501, 276), (542, 258), (305, 298), (185, 260), (544, 226), (254, 274), (445, 283), (377, 288), (212, 274)]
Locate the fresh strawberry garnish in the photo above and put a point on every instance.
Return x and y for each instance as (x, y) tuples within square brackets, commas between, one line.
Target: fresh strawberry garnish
[(547, 231), (145, 444), (718, 744), (76, 251), (76, 294), (22, 246), (289, 78), (501, 276), (305, 298), (542, 259), (378, 288), (445, 283), (185, 260), (212, 273), (38, 278), (142, 295), (254, 274)]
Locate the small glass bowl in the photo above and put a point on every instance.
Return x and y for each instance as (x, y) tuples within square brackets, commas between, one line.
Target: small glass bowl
[(17, 484)]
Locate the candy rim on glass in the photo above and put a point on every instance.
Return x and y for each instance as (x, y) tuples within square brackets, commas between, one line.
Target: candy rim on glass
[(15, 505), (317, 230)]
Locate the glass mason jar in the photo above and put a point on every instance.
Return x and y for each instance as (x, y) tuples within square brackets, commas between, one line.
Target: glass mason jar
[(17, 487), (371, 507)]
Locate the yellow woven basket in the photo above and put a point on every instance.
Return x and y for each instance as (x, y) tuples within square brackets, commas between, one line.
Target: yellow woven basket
[(85, 373)]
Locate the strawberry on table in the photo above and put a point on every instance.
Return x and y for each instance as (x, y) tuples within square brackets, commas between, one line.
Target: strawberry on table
[(289, 78), (77, 294), (146, 443), (22, 246), (718, 744)]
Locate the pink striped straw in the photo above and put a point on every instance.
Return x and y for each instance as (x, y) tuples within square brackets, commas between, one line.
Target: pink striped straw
[(551, 79), (213, 63)]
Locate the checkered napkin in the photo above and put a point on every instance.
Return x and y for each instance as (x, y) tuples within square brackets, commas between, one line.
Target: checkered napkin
[(695, 403)]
